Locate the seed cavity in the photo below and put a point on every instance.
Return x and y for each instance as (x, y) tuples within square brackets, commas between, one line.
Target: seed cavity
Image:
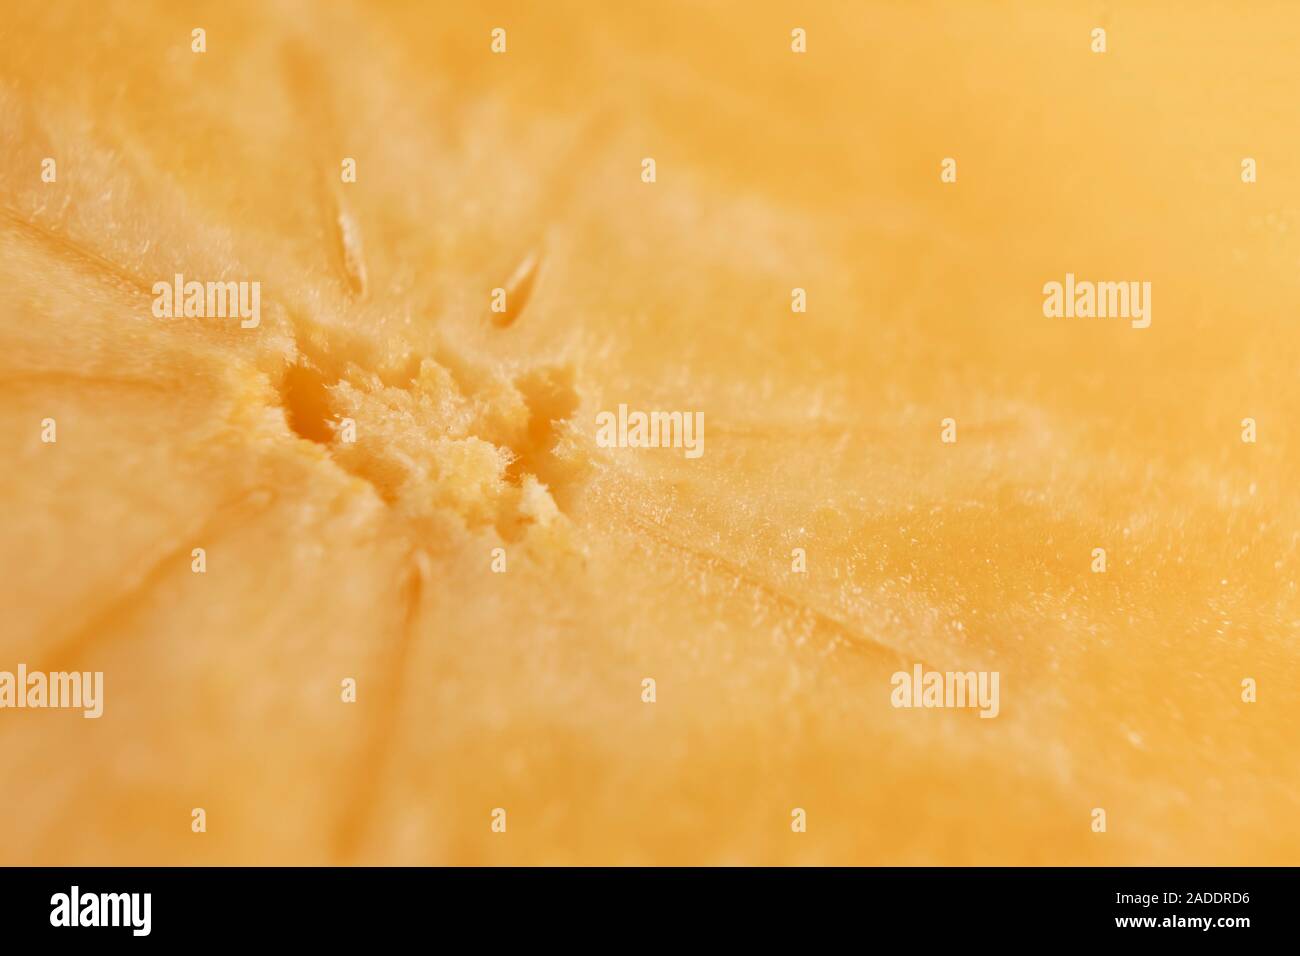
[(519, 287), (350, 254)]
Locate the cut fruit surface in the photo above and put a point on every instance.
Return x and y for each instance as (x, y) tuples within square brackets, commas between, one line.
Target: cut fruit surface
[(497, 585)]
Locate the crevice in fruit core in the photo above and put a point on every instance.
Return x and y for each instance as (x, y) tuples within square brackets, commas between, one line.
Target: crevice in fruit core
[(307, 404), (551, 399), (399, 451)]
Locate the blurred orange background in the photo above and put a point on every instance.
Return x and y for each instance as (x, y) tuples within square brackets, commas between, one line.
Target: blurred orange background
[(775, 170)]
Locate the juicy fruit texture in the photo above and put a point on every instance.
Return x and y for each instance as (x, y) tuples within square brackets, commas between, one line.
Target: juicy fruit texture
[(371, 560)]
